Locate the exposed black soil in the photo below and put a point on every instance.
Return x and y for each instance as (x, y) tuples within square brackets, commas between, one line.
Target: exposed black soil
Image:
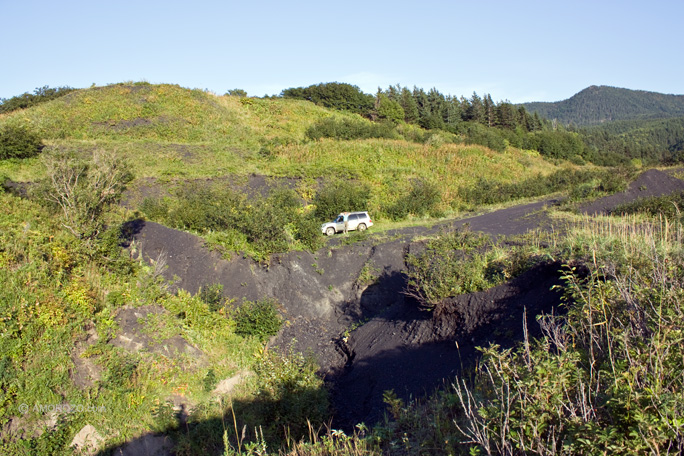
[(394, 344), (650, 183), (413, 352), (397, 345)]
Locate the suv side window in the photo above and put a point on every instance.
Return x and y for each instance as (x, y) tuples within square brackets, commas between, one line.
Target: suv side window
[(353, 217)]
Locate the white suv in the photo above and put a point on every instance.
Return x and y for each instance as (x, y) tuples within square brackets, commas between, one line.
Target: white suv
[(353, 220)]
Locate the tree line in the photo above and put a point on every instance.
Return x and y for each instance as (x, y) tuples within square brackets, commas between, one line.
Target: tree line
[(26, 100), (430, 110), (480, 120)]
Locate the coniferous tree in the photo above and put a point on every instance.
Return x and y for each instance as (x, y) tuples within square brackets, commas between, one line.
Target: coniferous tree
[(488, 107), (476, 112), (410, 105), (454, 113), (506, 116), (437, 111)]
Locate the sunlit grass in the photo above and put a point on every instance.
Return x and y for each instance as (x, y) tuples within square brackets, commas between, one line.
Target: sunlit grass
[(167, 132)]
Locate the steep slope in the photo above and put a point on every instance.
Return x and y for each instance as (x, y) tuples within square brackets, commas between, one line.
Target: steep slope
[(599, 104)]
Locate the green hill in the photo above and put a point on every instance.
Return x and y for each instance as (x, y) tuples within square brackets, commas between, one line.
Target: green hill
[(167, 132), (600, 104)]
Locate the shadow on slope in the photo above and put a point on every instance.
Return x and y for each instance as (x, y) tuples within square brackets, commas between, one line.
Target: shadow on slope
[(413, 351)]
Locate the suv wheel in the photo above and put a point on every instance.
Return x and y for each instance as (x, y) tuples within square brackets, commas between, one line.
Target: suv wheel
[(330, 231), (362, 227)]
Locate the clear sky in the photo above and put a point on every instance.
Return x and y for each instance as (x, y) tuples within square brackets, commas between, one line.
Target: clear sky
[(513, 50)]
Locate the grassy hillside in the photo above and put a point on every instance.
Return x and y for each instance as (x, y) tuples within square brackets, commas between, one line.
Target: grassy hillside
[(173, 139), (168, 132)]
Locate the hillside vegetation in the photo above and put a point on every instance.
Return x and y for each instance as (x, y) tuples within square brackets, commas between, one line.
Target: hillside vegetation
[(75, 307), (182, 145), (660, 141), (169, 133)]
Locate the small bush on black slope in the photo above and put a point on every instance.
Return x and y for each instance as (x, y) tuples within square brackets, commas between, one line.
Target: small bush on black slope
[(257, 318)]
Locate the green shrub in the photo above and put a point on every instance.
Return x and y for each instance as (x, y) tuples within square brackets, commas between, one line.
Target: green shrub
[(452, 264), (291, 396), (423, 198), (155, 208), (107, 251), (18, 142), (349, 129), (257, 318), (83, 189), (340, 196), (485, 136), (212, 295), (40, 95), (307, 230)]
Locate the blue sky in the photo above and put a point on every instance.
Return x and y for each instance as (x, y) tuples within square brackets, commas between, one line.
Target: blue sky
[(517, 51)]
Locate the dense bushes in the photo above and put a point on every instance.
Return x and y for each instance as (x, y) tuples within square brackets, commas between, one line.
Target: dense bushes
[(423, 198), (338, 196), (18, 142), (26, 100), (555, 144), (615, 359), (336, 95), (262, 226), (348, 129), (581, 183)]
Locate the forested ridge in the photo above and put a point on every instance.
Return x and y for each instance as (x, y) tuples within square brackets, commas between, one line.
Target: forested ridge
[(601, 104), (586, 127), (655, 140)]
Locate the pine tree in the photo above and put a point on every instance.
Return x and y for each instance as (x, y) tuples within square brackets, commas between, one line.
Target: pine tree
[(488, 107), (454, 112), (476, 112), (410, 106), (506, 115)]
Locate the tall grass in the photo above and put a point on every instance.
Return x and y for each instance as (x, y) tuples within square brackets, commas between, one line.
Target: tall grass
[(605, 377)]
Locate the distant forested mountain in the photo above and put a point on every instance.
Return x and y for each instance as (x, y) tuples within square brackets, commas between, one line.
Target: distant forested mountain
[(599, 104), (652, 141)]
